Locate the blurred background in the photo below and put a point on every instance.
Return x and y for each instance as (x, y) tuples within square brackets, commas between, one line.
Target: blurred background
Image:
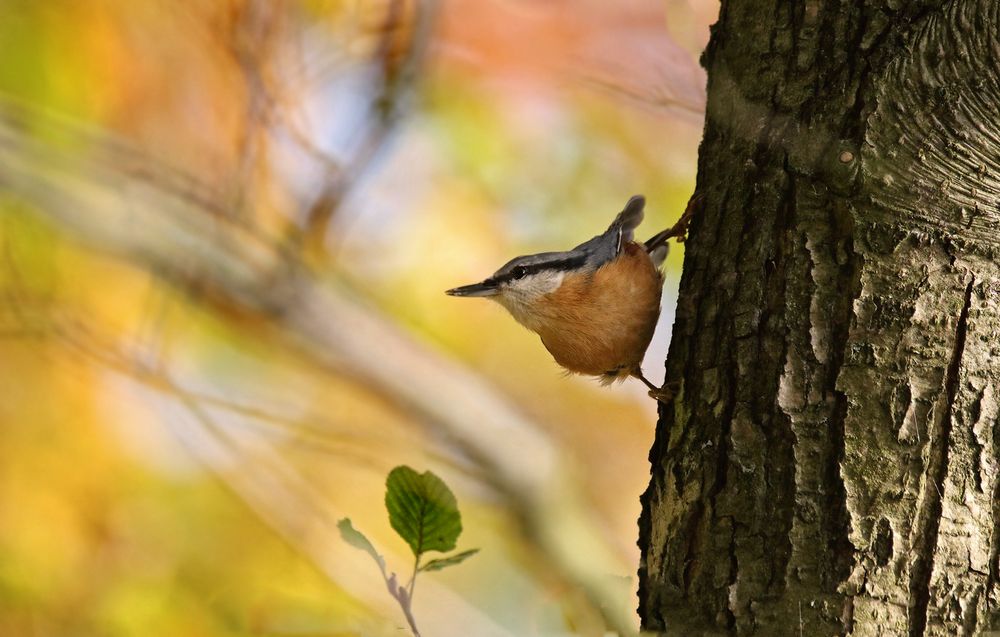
[(226, 227)]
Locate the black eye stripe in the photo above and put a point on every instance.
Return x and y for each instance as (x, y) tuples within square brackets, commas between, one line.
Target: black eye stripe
[(521, 271)]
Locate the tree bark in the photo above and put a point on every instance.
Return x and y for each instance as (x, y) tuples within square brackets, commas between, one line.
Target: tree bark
[(831, 462)]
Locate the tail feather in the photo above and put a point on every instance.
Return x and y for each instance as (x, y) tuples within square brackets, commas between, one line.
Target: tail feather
[(630, 217), (607, 246), (659, 254)]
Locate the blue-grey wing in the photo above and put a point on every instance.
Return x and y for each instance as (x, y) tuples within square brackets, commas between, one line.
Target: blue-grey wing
[(606, 246)]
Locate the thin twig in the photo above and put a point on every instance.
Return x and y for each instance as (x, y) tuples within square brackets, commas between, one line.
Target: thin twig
[(174, 236), (398, 75)]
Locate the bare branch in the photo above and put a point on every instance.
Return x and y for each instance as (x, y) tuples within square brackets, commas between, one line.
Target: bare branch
[(151, 217), (397, 66)]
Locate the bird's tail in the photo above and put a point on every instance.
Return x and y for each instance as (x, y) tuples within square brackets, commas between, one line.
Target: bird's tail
[(629, 218), (658, 248)]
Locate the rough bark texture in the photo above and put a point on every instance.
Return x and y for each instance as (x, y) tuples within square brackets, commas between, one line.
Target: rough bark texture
[(830, 464)]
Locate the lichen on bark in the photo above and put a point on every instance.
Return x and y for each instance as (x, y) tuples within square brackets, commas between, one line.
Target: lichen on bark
[(830, 464)]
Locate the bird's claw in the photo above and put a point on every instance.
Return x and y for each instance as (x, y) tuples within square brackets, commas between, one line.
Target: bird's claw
[(666, 393)]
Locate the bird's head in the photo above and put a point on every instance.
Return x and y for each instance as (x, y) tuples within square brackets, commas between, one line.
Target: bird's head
[(522, 281)]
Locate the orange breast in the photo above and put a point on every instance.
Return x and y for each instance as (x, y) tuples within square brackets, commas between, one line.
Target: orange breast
[(601, 323)]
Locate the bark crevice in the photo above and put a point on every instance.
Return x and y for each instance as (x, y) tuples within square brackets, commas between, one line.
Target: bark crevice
[(927, 522), (993, 575)]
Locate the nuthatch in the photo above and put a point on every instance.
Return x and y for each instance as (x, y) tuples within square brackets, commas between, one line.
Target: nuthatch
[(595, 306)]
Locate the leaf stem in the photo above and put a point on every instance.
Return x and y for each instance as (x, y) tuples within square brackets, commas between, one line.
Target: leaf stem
[(413, 578)]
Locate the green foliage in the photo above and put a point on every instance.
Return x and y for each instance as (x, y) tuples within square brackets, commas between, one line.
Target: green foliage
[(424, 512), (451, 560)]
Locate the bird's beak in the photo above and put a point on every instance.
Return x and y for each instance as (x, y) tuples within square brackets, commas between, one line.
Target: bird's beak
[(486, 288)]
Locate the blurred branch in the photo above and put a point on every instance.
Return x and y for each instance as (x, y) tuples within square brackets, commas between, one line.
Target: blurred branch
[(276, 489), (171, 225), (253, 42), (398, 57), (657, 97)]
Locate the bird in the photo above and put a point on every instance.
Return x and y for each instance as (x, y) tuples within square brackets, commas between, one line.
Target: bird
[(595, 306)]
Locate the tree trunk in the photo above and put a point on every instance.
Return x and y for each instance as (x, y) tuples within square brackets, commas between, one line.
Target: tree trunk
[(830, 463)]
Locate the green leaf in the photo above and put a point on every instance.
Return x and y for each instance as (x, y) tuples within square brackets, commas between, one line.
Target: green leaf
[(451, 560), (422, 510), (357, 539)]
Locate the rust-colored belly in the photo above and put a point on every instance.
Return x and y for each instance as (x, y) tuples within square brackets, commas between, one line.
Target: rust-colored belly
[(600, 324)]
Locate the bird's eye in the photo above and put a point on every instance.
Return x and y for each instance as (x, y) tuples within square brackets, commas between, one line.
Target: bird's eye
[(519, 272)]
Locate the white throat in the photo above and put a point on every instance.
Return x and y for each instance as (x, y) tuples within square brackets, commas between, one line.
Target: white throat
[(521, 295)]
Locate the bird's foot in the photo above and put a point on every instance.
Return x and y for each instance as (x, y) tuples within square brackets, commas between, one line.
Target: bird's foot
[(666, 393), (663, 394), (681, 227)]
